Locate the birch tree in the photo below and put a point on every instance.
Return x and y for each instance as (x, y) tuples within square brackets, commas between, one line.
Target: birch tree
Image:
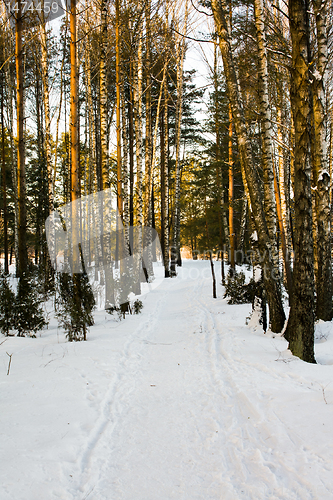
[(321, 175), (277, 316)]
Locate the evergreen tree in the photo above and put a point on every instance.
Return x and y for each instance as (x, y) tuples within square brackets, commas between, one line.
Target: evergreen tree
[(75, 305), (28, 313), (7, 299)]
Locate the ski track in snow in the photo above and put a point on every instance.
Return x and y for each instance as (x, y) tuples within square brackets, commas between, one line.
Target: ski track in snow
[(226, 448), (92, 462), (183, 414), (257, 469)]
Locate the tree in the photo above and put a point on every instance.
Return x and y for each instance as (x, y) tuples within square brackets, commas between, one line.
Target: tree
[(300, 328), (321, 175), (28, 313), (75, 305), (21, 178), (7, 299)]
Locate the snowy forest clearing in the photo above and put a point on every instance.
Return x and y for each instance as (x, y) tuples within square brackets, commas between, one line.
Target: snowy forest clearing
[(183, 401)]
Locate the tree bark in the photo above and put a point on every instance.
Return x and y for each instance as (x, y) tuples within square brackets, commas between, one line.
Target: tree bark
[(21, 176), (321, 175), (175, 254), (46, 95), (267, 139), (4, 185), (231, 195), (300, 328)]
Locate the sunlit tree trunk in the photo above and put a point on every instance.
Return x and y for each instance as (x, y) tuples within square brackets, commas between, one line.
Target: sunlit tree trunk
[(148, 133), (271, 191), (103, 97), (300, 328), (165, 181), (231, 195), (46, 99), (21, 176), (138, 81), (4, 186), (267, 140)]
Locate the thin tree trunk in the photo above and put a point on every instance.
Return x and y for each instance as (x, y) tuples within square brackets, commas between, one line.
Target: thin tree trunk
[(45, 78), (231, 196), (208, 241), (4, 187), (148, 134), (138, 137), (218, 165), (165, 182), (175, 254)]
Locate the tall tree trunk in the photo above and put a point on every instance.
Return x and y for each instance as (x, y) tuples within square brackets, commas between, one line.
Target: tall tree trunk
[(271, 191), (267, 140), (175, 254), (284, 171), (165, 181), (139, 147), (104, 171), (148, 133), (46, 95), (10, 83), (21, 176), (118, 113), (218, 162), (4, 187), (300, 328), (75, 161), (103, 98), (277, 316), (321, 175), (231, 195)]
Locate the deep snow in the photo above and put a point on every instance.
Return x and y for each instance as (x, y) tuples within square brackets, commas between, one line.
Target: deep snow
[(184, 401)]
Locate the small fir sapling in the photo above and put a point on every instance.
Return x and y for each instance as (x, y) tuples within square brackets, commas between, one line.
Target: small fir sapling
[(7, 300), (237, 291), (28, 313), (75, 305)]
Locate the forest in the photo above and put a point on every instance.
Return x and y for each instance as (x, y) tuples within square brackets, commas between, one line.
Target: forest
[(96, 97)]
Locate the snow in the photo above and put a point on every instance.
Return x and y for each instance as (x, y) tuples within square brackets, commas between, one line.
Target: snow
[(184, 401)]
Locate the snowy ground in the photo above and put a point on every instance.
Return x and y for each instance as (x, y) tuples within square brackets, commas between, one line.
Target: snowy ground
[(182, 402)]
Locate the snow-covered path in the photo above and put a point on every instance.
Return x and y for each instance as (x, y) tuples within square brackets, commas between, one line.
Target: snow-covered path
[(182, 402)]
